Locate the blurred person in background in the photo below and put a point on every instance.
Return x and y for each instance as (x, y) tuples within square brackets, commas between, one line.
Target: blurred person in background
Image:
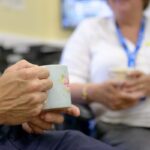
[(100, 44)]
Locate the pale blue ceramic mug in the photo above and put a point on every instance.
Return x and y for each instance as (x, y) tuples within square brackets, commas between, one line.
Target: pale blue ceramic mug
[(59, 95)]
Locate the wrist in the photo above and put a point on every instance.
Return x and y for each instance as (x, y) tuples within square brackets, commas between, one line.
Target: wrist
[(86, 93)]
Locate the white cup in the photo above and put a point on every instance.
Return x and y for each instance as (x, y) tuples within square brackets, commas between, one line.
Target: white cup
[(119, 74), (59, 95)]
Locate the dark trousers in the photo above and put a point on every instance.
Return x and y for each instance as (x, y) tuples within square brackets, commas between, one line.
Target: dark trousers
[(125, 137), (17, 139)]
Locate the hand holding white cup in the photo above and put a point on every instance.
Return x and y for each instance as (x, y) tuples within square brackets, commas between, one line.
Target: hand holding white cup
[(119, 74)]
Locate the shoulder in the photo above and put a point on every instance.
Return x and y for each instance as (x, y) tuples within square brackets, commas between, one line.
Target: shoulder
[(92, 29), (95, 24)]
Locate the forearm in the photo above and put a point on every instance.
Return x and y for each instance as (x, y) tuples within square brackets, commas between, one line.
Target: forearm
[(82, 93), (76, 92)]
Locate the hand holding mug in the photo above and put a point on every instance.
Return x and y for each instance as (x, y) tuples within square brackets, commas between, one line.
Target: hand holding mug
[(23, 89), (140, 83), (46, 120), (112, 96)]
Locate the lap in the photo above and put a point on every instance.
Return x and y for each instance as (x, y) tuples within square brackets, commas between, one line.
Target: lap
[(54, 140), (125, 137)]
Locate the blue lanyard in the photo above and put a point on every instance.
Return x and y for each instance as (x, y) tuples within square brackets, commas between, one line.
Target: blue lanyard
[(132, 55)]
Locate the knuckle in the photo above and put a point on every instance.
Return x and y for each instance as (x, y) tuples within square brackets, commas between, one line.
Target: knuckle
[(42, 97), (25, 74), (37, 110), (48, 84), (45, 70), (34, 86), (20, 84), (34, 98), (39, 97), (54, 118), (23, 61), (19, 81), (21, 73)]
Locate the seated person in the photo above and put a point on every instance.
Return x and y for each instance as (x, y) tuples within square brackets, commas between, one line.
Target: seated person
[(100, 45), (23, 124)]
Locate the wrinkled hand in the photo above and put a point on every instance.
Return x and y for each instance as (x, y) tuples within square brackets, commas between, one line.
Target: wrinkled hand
[(46, 120), (134, 74), (23, 89), (138, 82), (111, 95)]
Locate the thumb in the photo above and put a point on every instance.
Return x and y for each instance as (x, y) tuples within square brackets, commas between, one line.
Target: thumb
[(73, 110), (135, 74)]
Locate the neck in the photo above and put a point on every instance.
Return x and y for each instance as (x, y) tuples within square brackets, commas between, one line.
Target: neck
[(132, 19), (130, 26)]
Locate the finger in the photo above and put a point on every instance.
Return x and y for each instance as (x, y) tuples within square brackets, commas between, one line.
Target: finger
[(137, 88), (36, 97), (27, 128), (45, 84), (34, 72), (20, 65), (125, 100), (52, 117), (137, 95), (24, 64), (73, 111), (39, 85), (36, 129), (131, 99), (135, 74), (40, 123), (130, 83), (136, 82), (43, 73), (123, 105)]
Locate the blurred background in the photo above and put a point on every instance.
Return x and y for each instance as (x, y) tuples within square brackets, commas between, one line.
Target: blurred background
[(34, 29)]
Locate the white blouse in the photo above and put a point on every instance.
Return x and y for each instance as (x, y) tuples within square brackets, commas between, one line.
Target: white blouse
[(93, 50)]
